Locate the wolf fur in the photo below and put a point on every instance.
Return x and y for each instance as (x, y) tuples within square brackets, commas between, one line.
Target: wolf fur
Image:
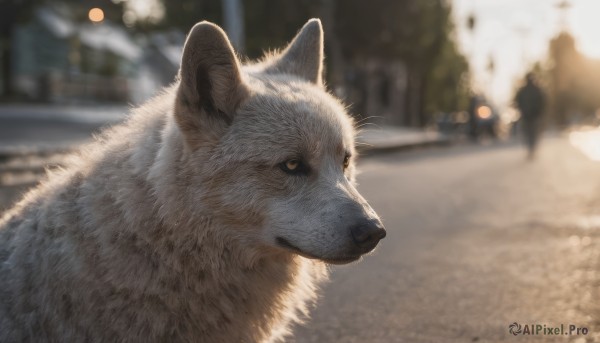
[(180, 224)]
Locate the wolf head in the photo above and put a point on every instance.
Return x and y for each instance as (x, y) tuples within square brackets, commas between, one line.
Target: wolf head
[(273, 151)]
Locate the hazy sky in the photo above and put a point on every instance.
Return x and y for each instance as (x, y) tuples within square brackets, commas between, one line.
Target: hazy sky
[(516, 33)]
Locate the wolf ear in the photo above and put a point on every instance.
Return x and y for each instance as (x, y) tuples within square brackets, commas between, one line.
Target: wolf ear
[(211, 83), (304, 55)]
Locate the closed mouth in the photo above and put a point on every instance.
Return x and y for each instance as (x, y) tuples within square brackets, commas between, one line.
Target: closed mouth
[(284, 243), (342, 260)]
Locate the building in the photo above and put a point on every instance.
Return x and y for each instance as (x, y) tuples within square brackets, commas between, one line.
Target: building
[(56, 59)]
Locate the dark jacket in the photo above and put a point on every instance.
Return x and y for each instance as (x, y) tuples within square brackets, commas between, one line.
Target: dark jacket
[(530, 100)]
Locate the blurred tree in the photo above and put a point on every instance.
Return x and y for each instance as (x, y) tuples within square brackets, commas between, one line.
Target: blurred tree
[(273, 23), (449, 81), (471, 22), (11, 13), (267, 22), (564, 61), (184, 14), (573, 82), (419, 33)]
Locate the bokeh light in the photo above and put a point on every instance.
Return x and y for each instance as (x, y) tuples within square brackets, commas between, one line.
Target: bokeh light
[(588, 141), (484, 112), (96, 15)]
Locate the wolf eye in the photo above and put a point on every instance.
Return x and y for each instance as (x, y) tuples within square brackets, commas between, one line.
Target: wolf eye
[(346, 161), (293, 166)]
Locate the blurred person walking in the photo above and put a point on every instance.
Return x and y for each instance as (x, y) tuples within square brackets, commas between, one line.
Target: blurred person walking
[(530, 101), (473, 130)]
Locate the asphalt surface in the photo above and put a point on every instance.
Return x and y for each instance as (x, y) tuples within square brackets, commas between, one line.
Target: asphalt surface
[(52, 127), (478, 238)]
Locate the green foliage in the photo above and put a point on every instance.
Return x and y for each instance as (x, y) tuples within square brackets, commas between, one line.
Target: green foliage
[(449, 86), (401, 29), (272, 23), (185, 13), (418, 33)]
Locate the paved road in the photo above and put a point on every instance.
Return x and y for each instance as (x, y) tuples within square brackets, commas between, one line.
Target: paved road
[(478, 238)]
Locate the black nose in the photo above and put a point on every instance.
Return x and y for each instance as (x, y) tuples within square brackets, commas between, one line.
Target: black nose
[(367, 234)]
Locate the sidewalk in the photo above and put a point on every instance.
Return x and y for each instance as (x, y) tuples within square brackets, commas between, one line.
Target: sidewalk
[(387, 139), (87, 114), (47, 129)]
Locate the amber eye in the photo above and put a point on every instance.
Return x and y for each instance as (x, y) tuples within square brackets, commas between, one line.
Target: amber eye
[(346, 161), (294, 167)]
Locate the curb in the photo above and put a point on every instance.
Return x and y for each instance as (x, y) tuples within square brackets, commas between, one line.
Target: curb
[(367, 150), (22, 151)]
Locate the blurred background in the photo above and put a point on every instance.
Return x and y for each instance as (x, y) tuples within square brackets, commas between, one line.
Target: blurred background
[(439, 89), (405, 63)]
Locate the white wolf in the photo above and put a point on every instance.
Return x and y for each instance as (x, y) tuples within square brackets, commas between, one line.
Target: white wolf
[(207, 217)]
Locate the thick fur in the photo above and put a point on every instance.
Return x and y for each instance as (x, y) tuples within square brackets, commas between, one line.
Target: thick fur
[(169, 227)]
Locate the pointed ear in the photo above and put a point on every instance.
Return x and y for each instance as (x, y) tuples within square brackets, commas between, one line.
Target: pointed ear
[(303, 56), (211, 83)]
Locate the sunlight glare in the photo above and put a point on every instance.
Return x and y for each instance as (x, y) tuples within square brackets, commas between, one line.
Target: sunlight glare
[(587, 142), (151, 10), (584, 23)]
